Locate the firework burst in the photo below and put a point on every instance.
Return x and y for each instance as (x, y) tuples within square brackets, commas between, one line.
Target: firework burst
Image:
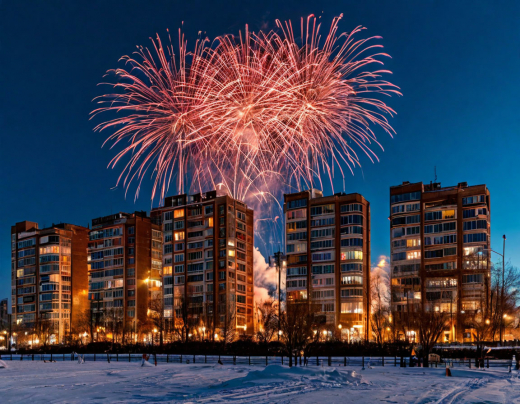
[(249, 112)]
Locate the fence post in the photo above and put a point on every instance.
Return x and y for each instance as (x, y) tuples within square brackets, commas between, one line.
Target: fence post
[(265, 360), (94, 357), (317, 361), (32, 357), (469, 361), (51, 356), (488, 363), (363, 362), (395, 361), (234, 360), (193, 358), (282, 359), (117, 357), (129, 357), (63, 357), (345, 361), (181, 358), (383, 361), (249, 360), (167, 358), (205, 358), (330, 360)]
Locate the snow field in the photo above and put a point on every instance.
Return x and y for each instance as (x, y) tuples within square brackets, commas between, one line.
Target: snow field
[(123, 382)]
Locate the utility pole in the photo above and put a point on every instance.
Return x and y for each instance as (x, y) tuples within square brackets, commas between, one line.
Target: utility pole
[(503, 289), (277, 261)]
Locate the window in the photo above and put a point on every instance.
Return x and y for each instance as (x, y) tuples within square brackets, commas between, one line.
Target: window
[(351, 292), (474, 199), (443, 266), (178, 225), (319, 233), (297, 214), (352, 242), (351, 219), (297, 271), (168, 248), (474, 212), (179, 257), (131, 230), (179, 235), (448, 239), (352, 230), (352, 307), (178, 213), (352, 207), (473, 278), (351, 280), (351, 255), (322, 210), (475, 237), (297, 236), (475, 224), (439, 228), (324, 256), (328, 221), (316, 245), (293, 226), (410, 196), (298, 247), (322, 269), (352, 267), (298, 203)]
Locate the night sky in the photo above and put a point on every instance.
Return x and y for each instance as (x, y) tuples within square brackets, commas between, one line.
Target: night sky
[(457, 63)]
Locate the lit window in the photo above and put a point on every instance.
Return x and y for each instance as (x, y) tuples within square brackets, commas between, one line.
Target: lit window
[(178, 213), (448, 214)]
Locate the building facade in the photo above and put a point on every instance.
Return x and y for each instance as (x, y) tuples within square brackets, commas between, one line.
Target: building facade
[(328, 259), (125, 275), (207, 264), (440, 240), (48, 279)]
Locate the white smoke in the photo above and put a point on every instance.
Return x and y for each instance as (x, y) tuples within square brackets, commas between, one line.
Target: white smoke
[(266, 278)]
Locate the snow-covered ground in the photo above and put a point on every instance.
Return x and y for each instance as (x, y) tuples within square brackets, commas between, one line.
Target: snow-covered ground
[(123, 382)]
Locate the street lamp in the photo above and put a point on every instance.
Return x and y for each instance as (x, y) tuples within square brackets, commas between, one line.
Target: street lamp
[(503, 255), (203, 332)]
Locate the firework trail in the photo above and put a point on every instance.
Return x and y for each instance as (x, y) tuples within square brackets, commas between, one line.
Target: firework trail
[(251, 115)]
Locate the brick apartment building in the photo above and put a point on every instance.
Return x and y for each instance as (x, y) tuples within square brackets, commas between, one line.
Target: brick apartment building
[(207, 264), (49, 279), (125, 274), (328, 259), (440, 240)]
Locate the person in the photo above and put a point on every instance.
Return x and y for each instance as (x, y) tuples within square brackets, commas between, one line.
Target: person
[(145, 358)]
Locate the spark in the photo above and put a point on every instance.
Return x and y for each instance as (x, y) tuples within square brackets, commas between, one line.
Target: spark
[(249, 114)]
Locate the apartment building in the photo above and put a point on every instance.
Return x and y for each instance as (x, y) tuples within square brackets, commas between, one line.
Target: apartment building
[(125, 273), (49, 279), (440, 240), (207, 264), (328, 259)]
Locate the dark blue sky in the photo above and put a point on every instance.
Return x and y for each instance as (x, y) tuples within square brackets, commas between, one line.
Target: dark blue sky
[(457, 63)]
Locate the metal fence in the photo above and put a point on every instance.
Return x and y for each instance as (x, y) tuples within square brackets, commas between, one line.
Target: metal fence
[(357, 361)]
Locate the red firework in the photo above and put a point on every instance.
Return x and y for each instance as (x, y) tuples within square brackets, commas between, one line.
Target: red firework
[(242, 113)]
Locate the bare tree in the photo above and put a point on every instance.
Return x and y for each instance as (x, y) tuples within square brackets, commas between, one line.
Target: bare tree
[(380, 298), (268, 320), (297, 323), (431, 325)]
